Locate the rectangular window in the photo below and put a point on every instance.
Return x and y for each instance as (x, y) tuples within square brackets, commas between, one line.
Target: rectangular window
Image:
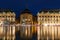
[(8, 16), (3, 16), (0, 16), (11, 16), (45, 16)]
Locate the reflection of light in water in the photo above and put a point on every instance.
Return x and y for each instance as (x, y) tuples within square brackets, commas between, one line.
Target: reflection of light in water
[(45, 24), (13, 30), (1, 30), (26, 32), (45, 30), (38, 31)]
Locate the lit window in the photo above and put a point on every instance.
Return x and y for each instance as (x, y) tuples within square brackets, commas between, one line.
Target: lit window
[(56, 19), (48, 16), (45, 20), (8, 16), (25, 19), (54, 16), (51, 16), (28, 19), (45, 16), (3, 16), (42, 19)]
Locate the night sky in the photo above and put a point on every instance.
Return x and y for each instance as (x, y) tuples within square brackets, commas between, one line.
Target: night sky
[(34, 5)]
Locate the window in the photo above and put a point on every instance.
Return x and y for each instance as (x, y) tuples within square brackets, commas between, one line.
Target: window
[(45, 16), (42, 16), (56, 19), (54, 16), (48, 16), (3, 16), (12, 19), (39, 16), (23, 17), (28, 19), (8, 16), (59, 16), (42, 19), (12, 16), (45, 19)]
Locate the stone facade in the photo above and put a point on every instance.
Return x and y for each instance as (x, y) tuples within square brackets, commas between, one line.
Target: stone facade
[(7, 32), (26, 19), (48, 25)]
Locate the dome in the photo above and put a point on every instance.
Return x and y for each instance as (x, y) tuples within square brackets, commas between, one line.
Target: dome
[(26, 11)]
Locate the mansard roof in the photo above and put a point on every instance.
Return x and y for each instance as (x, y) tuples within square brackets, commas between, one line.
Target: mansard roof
[(49, 10), (5, 10)]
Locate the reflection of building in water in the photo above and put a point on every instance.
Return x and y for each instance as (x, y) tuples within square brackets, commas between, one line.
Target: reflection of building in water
[(26, 19), (46, 20), (1, 30), (9, 31), (7, 17), (34, 24)]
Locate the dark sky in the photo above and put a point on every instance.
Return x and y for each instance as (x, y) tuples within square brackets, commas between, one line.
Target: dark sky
[(33, 5)]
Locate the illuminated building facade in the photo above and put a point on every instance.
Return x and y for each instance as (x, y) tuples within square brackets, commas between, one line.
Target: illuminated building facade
[(7, 32), (26, 19), (10, 16), (48, 25)]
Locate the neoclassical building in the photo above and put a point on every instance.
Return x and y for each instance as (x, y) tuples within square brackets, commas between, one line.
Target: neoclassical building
[(48, 25), (6, 18), (26, 20), (10, 16)]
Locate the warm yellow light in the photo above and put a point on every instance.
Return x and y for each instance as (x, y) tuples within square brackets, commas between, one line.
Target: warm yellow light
[(26, 32), (45, 24), (13, 30), (1, 30)]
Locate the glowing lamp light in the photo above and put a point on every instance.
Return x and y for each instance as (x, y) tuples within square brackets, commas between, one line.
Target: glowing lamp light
[(26, 32), (45, 24), (1, 22)]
